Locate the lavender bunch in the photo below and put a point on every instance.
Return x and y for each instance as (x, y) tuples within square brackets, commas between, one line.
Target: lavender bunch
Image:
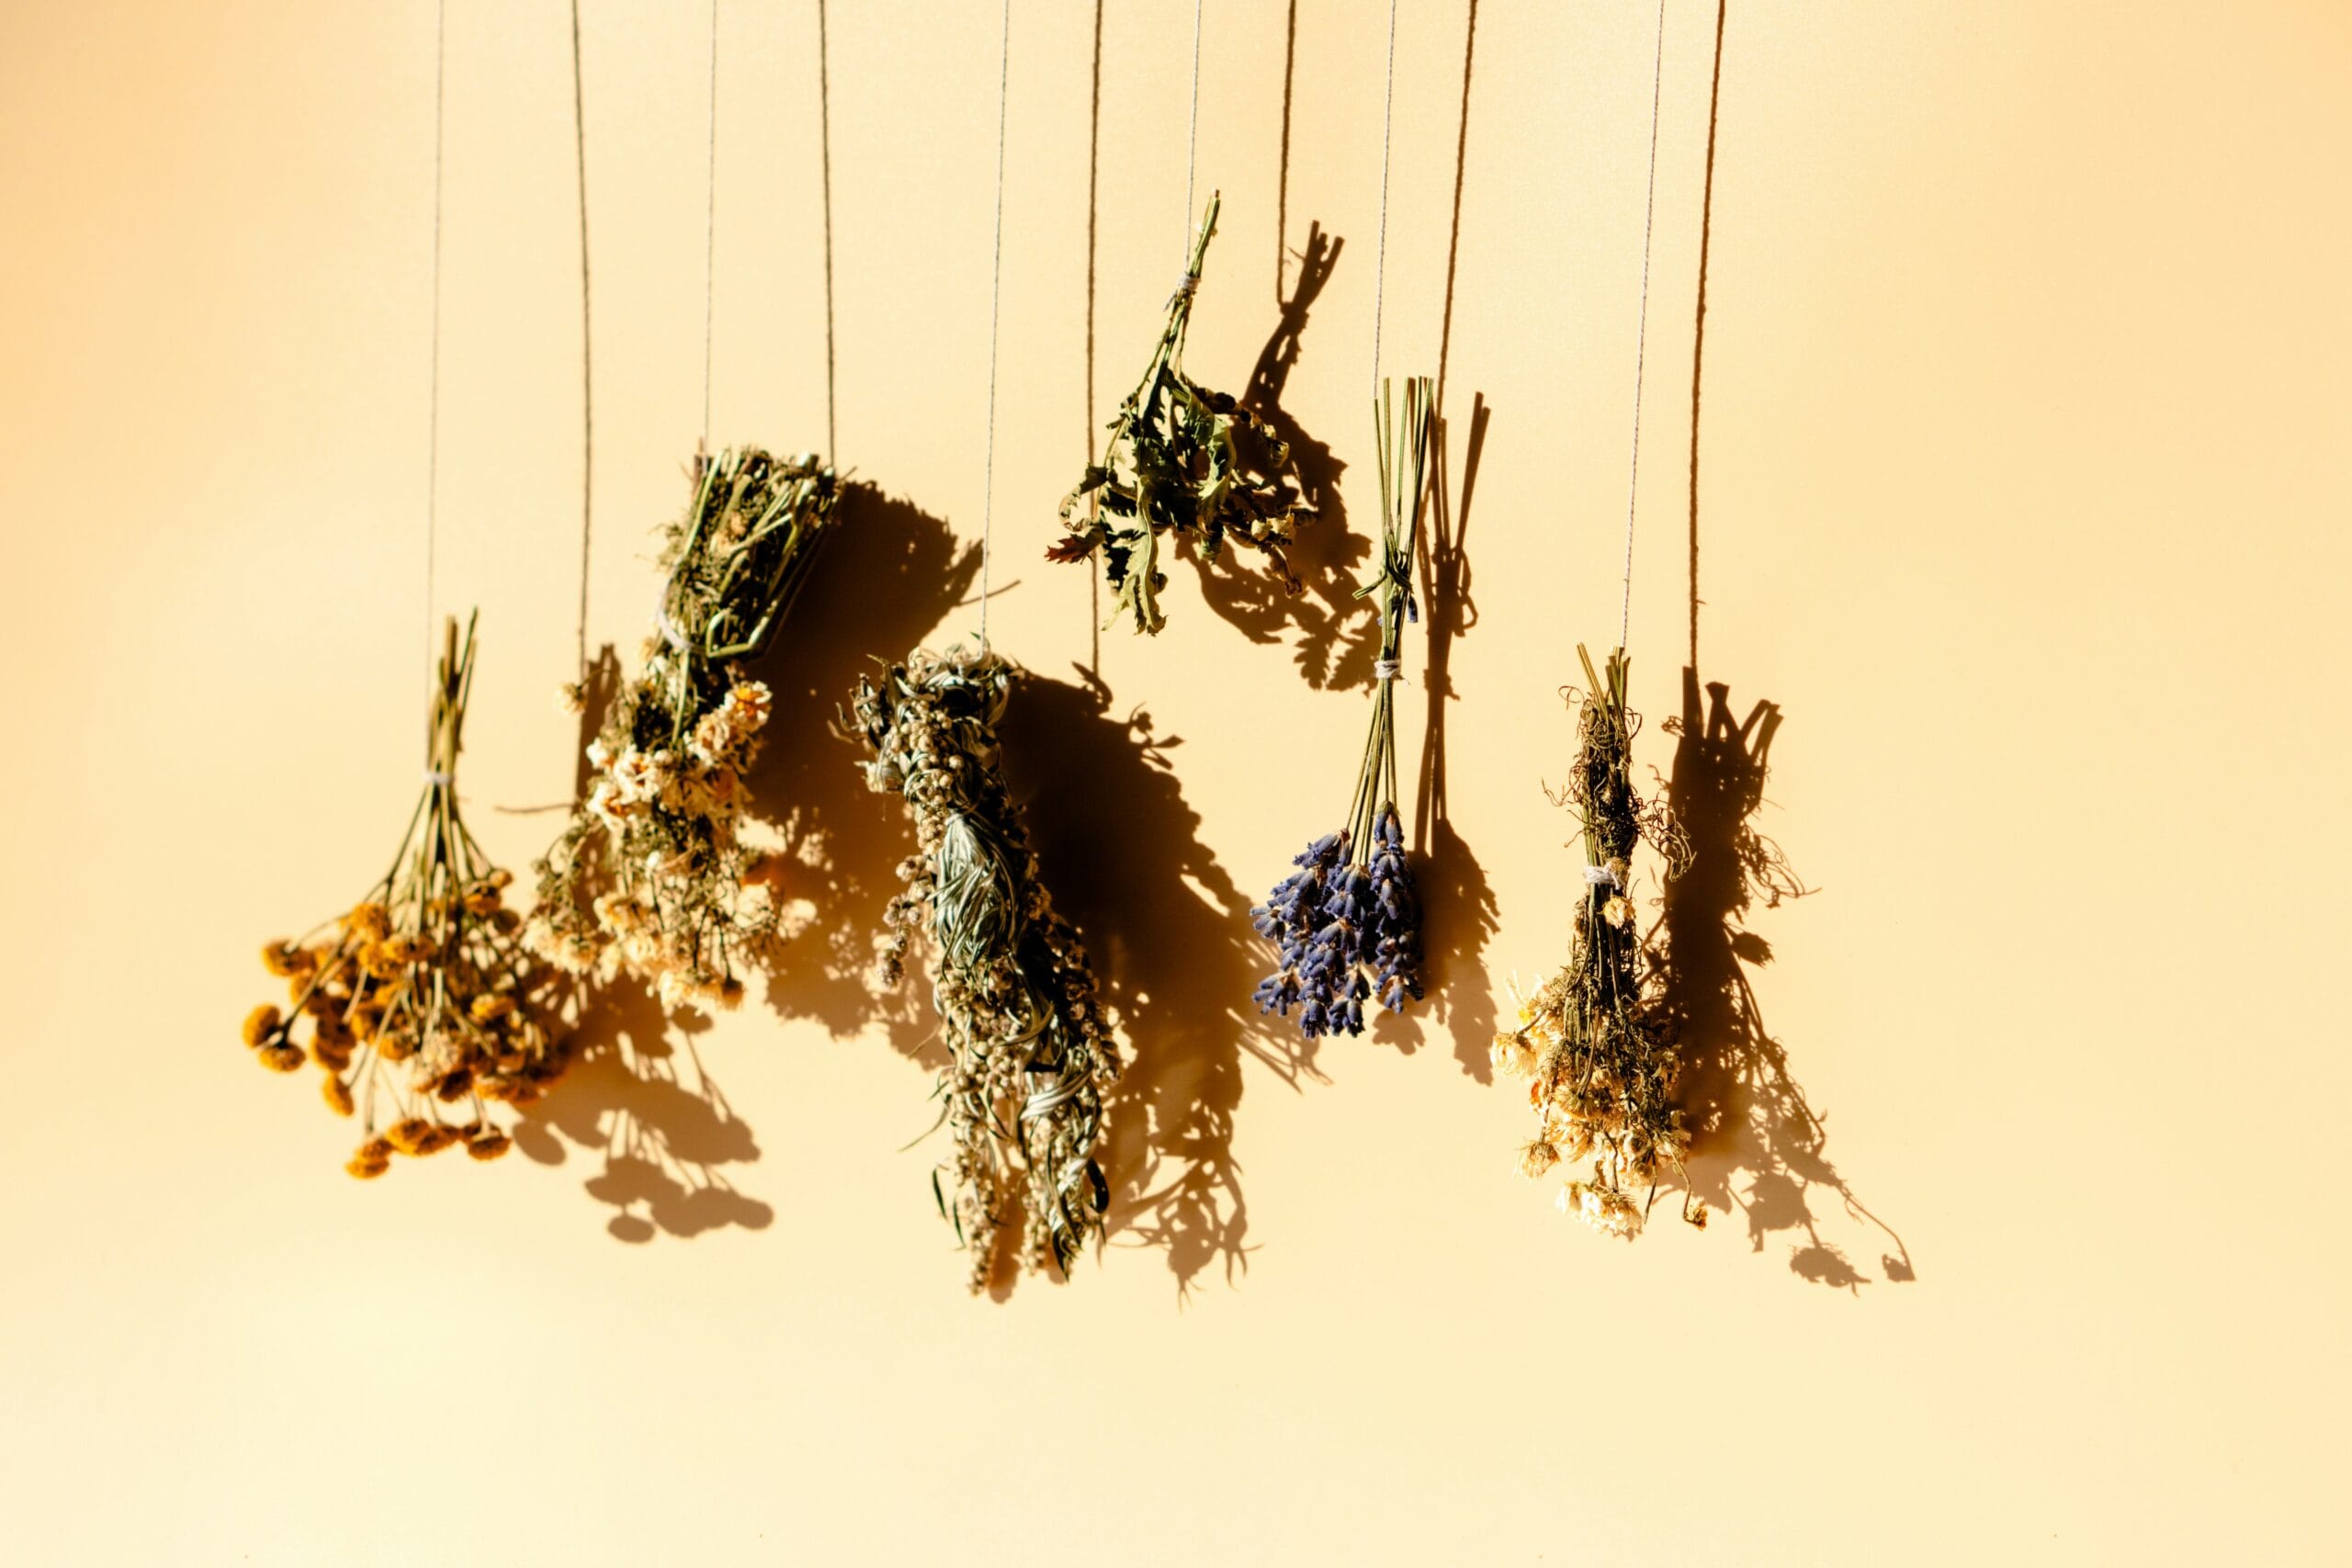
[(1346, 924)]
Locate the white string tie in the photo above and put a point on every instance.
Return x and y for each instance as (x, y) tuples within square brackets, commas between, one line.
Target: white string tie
[(1603, 876), (1387, 669), (435, 776)]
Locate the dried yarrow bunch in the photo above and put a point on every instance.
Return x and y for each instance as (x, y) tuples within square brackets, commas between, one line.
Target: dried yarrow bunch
[(1346, 924), (1032, 1055), (1599, 1067), (653, 876), (420, 1005), (1180, 460)]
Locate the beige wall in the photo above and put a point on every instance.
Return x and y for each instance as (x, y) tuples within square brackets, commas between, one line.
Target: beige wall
[(2021, 491)]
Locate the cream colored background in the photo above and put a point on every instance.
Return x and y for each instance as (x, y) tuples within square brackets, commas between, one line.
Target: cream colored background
[(2023, 491)]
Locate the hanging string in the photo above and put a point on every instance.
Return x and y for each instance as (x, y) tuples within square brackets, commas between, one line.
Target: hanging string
[(710, 228), (587, 363), (825, 157), (1379, 251), (1192, 139), (996, 300), (1641, 329), (433, 395), (1093, 209)]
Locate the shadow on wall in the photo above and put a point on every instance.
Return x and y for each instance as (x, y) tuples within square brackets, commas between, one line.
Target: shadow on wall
[(636, 1091), (1458, 909), (1333, 641), (1757, 1145), (1169, 938), (890, 574)]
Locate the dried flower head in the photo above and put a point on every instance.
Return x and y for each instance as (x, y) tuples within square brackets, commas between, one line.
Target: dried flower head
[(1185, 460), (427, 956), (1346, 925), (653, 875), (1032, 1055), (1601, 1068)]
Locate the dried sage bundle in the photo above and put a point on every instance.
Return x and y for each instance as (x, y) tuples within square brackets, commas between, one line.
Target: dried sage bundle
[(1599, 1065), (420, 1005), (1180, 460), (652, 876), (1032, 1055), (1346, 924)]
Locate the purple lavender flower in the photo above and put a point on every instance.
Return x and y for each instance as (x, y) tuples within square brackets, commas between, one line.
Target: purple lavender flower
[(1347, 931)]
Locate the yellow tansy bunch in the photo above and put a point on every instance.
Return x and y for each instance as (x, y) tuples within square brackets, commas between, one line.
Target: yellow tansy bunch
[(419, 1004)]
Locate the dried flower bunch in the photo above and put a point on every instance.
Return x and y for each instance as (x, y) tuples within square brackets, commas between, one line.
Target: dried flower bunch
[(1346, 924), (1600, 1067), (1176, 463), (419, 1004), (1032, 1055), (653, 876)]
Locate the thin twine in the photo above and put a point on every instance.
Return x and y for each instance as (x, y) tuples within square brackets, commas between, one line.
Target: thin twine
[(996, 297), (587, 363), (1192, 139), (825, 155), (1380, 253), (1641, 329), (710, 226), (433, 396)]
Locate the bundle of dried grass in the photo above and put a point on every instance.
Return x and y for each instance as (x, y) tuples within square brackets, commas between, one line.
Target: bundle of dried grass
[(653, 875), (1599, 1065), (1032, 1056)]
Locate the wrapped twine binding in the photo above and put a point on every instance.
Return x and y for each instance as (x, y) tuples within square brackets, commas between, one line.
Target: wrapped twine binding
[(1032, 1056)]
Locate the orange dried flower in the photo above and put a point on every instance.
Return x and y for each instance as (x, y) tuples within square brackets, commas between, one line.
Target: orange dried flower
[(261, 1024), (337, 1093)]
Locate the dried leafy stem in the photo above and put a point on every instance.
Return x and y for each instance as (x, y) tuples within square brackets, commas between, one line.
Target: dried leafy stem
[(1032, 1055), (653, 876), (1181, 459), (1601, 1068), (1346, 924), (420, 1005)]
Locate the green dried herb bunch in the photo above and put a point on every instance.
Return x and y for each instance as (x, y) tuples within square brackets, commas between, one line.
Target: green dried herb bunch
[(1032, 1055), (420, 1005), (652, 876), (1599, 1065), (1181, 459)]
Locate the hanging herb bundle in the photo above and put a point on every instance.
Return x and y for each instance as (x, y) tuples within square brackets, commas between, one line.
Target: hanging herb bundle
[(1600, 1065), (1032, 1055), (653, 875), (420, 1005), (1346, 924), (1180, 460)]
